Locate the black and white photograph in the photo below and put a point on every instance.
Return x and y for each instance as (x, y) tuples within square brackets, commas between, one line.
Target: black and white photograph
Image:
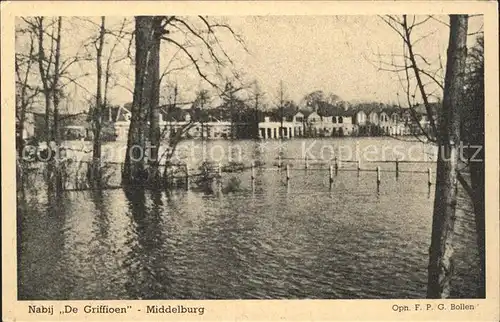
[(264, 157)]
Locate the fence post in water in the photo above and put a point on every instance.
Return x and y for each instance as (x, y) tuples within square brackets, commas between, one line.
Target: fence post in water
[(187, 177), (287, 172), (397, 167), (378, 176), (429, 176)]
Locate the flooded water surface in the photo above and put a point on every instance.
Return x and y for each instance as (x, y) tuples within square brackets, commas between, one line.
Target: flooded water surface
[(267, 239)]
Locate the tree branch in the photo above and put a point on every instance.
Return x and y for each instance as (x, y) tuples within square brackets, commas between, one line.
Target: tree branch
[(193, 60)]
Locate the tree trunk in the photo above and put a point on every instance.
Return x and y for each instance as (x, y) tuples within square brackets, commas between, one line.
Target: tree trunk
[(256, 116), (281, 110), (55, 89), (153, 84), (21, 110), (133, 170), (43, 77), (441, 250), (478, 182), (20, 130), (48, 112), (95, 171), (476, 165), (231, 108), (23, 101), (56, 97), (96, 152)]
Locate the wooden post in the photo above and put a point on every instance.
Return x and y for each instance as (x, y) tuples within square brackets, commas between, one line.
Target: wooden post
[(397, 168), (187, 177), (331, 174), (253, 170), (429, 176), (359, 166), (220, 171), (279, 162), (378, 176), (306, 163), (336, 165), (287, 172)]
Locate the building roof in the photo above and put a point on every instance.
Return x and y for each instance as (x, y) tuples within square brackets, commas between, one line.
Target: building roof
[(325, 109), (305, 112), (68, 120), (121, 114), (389, 110)]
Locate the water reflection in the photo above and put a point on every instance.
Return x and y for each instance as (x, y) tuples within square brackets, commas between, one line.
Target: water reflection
[(40, 244), (261, 238)]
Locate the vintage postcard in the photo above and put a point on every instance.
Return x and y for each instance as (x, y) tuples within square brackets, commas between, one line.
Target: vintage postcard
[(332, 161)]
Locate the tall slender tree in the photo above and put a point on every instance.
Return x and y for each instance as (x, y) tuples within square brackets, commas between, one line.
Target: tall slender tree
[(281, 107), (257, 98), (443, 219), (56, 91), (149, 32), (44, 66), (26, 92), (473, 135), (444, 132), (134, 167), (99, 104)]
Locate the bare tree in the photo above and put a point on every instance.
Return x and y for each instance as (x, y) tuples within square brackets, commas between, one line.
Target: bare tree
[(441, 250), (445, 134), (231, 103), (44, 66), (54, 70), (25, 91), (153, 96), (49, 65), (257, 98), (97, 113), (133, 171), (119, 35), (281, 106), (175, 136), (418, 76), (473, 136), (313, 98), (201, 100), (56, 92), (149, 33)]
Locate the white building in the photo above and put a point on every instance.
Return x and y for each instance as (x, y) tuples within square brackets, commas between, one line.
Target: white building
[(271, 129)]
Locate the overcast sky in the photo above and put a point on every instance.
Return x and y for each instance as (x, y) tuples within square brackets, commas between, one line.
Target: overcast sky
[(336, 54)]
